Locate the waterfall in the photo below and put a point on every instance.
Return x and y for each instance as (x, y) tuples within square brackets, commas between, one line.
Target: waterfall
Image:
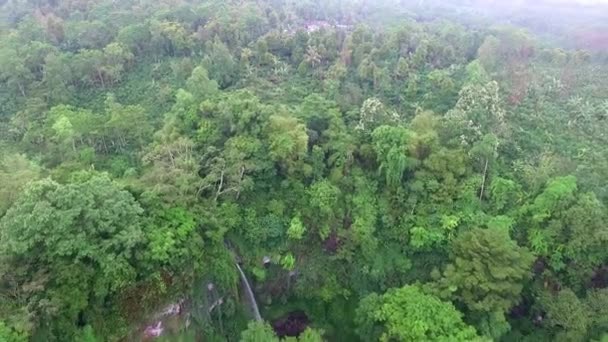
[(254, 304)]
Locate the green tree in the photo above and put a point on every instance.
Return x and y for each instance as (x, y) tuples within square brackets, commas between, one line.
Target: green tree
[(136, 37), (497, 264), (485, 152), (310, 335), (170, 38), (558, 190), (296, 229), (13, 71), (57, 77), (479, 111), (567, 227), (390, 144), (199, 84), (171, 170), (262, 332), (288, 141), (568, 315), (231, 170), (258, 332), (173, 242), (374, 113), (16, 171), (10, 335), (116, 58), (120, 130), (75, 243), (597, 300), (87, 34), (365, 216), (408, 314), (221, 64), (324, 201)]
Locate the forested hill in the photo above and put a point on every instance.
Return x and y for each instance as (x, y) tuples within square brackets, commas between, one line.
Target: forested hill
[(381, 171)]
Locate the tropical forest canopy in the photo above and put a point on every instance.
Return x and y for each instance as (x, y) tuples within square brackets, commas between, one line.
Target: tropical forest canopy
[(379, 170)]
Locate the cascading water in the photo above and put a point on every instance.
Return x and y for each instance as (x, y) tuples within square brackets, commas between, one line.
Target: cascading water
[(254, 304), (157, 327)]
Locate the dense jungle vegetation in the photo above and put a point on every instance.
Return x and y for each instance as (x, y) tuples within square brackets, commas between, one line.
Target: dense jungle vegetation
[(379, 170)]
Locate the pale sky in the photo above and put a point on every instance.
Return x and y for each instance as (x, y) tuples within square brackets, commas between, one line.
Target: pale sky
[(587, 2), (584, 2)]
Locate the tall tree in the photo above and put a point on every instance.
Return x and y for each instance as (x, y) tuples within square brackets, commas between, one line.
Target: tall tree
[(288, 141), (487, 272), (71, 248), (390, 144), (408, 314), (16, 171)]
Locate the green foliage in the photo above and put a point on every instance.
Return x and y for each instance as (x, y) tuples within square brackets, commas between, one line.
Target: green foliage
[(174, 242), (557, 190), (373, 114), (505, 193), (80, 239), (220, 63), (568, 226), (16, 171), (567, 312), (408, 314), (288, 140), (498, 266), (262, 332), (88, 335), (258, 332), (10, 335), (365, 216), (145, 147), (476, 73), (200, 85), (288, 262), (324, 198), (390, 144), (311, 335), (296, 229)]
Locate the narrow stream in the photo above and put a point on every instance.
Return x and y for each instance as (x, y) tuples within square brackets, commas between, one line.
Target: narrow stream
[(251, 297)]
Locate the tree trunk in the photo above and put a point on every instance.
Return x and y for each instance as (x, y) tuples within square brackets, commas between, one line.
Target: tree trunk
[(100, 75), (238, 191), (483, 182), (219, 188), (21, 89), (105, 146), (172, 158)]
